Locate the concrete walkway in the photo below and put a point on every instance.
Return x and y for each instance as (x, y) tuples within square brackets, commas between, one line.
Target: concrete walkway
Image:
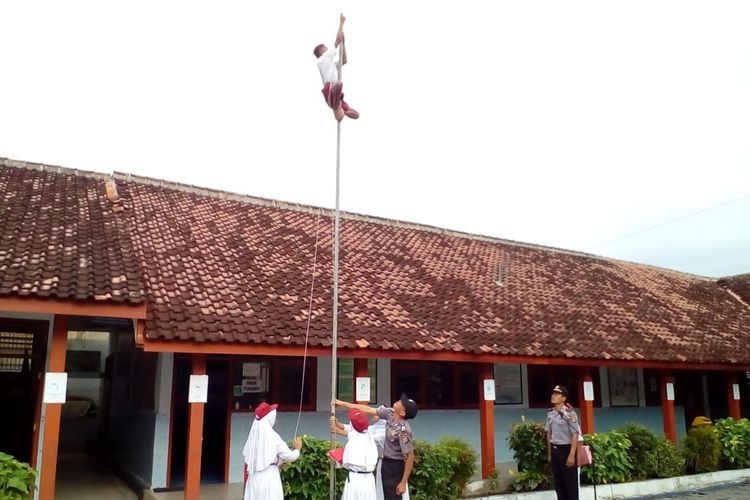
[(231, 491), (82, 477), (734, 492)]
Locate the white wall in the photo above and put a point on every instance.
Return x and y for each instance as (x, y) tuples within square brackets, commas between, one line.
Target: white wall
[(163, 403)]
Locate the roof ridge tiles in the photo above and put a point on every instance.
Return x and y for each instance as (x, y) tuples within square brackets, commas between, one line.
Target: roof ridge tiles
[(7, 162), (353, 216)]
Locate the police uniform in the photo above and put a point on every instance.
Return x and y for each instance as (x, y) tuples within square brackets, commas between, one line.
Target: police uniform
[(396, 447), (561, 426)]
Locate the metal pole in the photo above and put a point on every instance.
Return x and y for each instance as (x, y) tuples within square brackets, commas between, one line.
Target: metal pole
[(334, 336)]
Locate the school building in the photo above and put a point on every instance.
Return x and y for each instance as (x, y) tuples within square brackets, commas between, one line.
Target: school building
[(129, 285)]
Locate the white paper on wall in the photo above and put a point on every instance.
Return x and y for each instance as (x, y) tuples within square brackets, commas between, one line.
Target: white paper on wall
[(198, 392), (363, 389), (588, 390), (670, 391), (55, 387), (489, 390)]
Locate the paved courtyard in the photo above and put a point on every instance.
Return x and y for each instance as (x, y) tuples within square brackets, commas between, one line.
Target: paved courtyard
[(735, 492)]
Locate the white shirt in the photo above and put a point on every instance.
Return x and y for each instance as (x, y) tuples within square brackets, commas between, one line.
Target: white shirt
[(360, 452), (327, 65), (264, 447)]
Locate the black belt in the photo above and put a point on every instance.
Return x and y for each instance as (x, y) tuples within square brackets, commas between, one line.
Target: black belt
[(387, 459), (560, 445), (362, 471)]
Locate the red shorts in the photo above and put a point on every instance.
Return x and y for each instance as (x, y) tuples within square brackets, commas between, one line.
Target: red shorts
[(327, 96)]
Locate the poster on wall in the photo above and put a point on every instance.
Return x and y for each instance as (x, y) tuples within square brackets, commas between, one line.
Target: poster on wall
[(623, 386), (254, 377), (508, 385), (489, 389), (198, 391), (588, 390), (55, 387), (363, 389)]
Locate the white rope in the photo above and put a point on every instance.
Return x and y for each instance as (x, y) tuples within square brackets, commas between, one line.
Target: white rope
[(307, 332)]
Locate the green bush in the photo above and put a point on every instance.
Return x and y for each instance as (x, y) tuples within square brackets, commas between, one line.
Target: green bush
[(440, 472), (642, 443), (530, 480), (612, 463), (701, 449), (309, 476), (466, 461), (663, 460), (734, 440), (528, 440), (16, 478), (433, 469)]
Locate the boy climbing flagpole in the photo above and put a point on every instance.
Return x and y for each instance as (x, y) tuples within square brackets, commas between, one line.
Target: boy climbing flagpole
[(330, 62)]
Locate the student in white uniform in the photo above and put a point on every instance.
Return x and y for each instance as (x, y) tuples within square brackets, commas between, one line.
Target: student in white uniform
[(328, 60), (264, 452), (360, 457), (377, 430)]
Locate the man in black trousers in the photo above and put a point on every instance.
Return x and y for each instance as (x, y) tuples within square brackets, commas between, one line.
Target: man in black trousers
[(562, 444)]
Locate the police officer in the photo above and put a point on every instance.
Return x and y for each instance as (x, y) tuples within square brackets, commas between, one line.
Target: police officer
[(562, 443), (398, 449)]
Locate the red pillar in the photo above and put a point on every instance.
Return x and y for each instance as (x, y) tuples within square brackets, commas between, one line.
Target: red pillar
[(360, 370), (486, 422), (667, 407), (587, 407), (734, 404), (195, 438), (53, 410)]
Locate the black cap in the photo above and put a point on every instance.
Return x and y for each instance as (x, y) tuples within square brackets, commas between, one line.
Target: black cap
[(410, 407), (561, 389)]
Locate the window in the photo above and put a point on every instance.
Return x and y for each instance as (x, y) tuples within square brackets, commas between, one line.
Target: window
[(345, 384), (273, 380), (651, 381), (508, 385), (435, 385), (15, 351), (623, 387), (542, 378)]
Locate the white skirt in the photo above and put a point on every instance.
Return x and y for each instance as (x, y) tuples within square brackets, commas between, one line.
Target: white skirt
[(359, 487), (264, 485)]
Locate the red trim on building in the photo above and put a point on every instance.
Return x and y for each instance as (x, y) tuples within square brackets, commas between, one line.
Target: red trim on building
[(104, 309), (195, 438), (667, 407), (486, 422), (53, 410), (735, 411), (192, 347), (587, 407)]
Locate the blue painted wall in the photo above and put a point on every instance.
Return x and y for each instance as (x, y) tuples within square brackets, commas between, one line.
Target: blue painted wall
[(430, 425)]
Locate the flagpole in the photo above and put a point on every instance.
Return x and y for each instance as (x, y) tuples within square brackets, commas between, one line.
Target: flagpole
[(334, 335)]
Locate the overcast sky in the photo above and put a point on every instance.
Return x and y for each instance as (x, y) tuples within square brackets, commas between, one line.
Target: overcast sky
[(570, 124)]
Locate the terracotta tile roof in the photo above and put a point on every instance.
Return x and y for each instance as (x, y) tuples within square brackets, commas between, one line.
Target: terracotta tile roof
[(59, 238), (219, 267), (739, 285)]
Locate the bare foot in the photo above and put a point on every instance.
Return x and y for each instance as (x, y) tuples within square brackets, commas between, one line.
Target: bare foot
[(352, 113), (338, 113)]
